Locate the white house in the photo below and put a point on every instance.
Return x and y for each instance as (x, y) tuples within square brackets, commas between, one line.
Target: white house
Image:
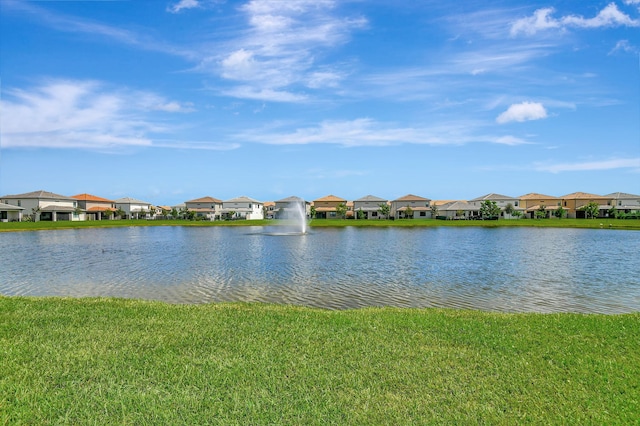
[(132, 208), (46, 206), (207, 207), (458, 210), (368, 207), (502, 201), (9, 213), (243, 208), (418, 207), (625, 203)]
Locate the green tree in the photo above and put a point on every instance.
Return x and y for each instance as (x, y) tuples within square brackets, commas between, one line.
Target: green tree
[(509, 209), (360, 214), (591, 210), (312, 212), (408, 213), (174, 213), (36, 213), (489, 209), (560, 212), (341, 210), (434, 211), (541, 213), (384, 209), (120, 213)]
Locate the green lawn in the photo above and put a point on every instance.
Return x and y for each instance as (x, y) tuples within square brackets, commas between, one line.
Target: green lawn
[(105, 361), (317, 223)]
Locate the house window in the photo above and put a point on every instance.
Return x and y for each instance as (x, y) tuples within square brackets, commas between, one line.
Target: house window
[(423, 213), (619, 203), (374, 214), (19, 203), (516, 204)]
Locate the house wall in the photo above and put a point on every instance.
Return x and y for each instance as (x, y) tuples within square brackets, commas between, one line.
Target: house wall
[(396, 205)]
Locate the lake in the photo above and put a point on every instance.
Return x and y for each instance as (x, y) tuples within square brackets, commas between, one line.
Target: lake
[(494, 269)]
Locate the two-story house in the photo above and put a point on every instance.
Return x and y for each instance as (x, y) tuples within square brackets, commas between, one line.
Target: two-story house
[(132, 208), (207, 207), (411, 206), (368, 207), (45, 206), (624, 202), (95, 208), (533, 202), (327, 207), (291, 208), (502, 201), (243, 208), (576, 202)]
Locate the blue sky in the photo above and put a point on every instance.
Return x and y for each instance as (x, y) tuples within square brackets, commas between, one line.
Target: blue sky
[(171, 100)]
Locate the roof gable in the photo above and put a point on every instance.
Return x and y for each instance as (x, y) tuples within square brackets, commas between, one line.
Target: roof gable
[(371, 198), (493, 196), (330, 198), (89, 197), (129, 200), (536, 196), (618, 195), (411, 197), (582, 195), (42, 195), (206, 199), (242, 199)]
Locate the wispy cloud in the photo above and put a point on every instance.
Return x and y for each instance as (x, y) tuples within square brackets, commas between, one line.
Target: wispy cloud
[(81, 114), (74, 24), (368, 132), (524, 111), (542, 20), (182, 5), (615, 163), (279, 49)]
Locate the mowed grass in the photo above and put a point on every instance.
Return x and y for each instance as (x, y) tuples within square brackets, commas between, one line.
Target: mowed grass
[(628, 224), (108, 361)]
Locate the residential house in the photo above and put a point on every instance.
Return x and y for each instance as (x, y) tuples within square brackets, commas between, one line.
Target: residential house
[(534, 202), (95, 208), (207, 207), (269, 209), (242, 208), (502, 201), (9, 213), (418, 207), (460, 209), (45, 206), (291, 208), (327, 207), (576, 202), (624, 203), (133, 209), (368, 207)]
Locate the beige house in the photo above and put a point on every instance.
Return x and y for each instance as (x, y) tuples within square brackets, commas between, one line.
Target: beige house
[(577, 201), (460, 209), (95, 208), (207, 207), (417, 207), (327, 207), (45, 206), (533, 202), (368, 207)]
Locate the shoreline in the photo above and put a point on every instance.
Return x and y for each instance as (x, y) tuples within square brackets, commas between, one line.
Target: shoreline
[(602, 223)]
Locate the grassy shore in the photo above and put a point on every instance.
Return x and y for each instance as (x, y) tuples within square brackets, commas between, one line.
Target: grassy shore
[(89, 361), (630, 224)]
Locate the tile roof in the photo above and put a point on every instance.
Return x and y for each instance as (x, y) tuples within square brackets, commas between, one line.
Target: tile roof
[(89, 197), (618, 195), (101, 209), (583, 195), (291, 199), (370, 198), (493, 196), (206, 199), (42, 195), (411, 197), (535, 196), (330, 198), (458, 205), (242, 199), (129, 200)]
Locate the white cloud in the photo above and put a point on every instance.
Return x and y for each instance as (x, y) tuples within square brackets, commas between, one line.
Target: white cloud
[(617, 163), (524, 111), (624, 46), (367, 132), (280, 48), (183, 4), (79, 114), (542, 20)]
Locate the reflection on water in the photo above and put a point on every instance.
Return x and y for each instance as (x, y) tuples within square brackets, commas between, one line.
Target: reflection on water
[(500, 269)]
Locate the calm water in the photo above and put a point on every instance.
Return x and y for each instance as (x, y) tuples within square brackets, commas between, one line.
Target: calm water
[(498, 269)]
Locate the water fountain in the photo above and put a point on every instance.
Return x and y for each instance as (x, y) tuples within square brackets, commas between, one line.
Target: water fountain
[(292, 219)]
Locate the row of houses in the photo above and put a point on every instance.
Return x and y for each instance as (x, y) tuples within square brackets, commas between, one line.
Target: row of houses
[(48, 206)]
